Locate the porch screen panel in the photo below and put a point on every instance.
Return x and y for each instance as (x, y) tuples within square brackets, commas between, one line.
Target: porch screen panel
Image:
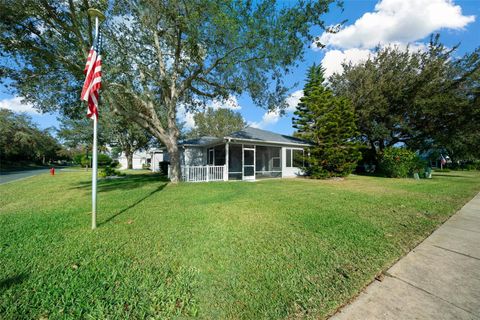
[(235, 162), (220, 155), (268, 162)]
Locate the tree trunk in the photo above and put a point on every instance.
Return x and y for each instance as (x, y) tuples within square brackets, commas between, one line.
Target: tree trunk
[(129, 157), (174, 155)]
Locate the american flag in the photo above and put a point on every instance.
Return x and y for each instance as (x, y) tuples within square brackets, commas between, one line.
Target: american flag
[(442, 160), (93, 79)]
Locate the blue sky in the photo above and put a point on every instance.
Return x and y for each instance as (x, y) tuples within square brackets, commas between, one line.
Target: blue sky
[(369, 23)]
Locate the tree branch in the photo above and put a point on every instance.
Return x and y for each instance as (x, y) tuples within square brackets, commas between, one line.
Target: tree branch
[(161, 63)]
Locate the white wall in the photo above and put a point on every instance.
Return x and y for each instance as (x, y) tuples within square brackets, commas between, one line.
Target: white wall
[(289, 171), (157, 157), (139, 159)]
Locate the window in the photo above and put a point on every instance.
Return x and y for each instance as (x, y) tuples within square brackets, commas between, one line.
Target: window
[(294, 158), (289, 158), (276, 163), (297, 158), (210, 156)]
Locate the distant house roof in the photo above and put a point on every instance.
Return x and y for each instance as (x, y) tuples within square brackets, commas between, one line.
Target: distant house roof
[(259, 135), (249, 135)]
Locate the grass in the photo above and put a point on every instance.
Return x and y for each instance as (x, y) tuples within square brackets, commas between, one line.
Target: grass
[(270, 249)]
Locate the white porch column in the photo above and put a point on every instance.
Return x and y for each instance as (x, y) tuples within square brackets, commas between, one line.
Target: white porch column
[(225, 168)]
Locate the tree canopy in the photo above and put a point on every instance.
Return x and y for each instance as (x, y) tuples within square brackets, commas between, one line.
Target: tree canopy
[(22, 140), (216, 123), (157, 55), (422, 99)]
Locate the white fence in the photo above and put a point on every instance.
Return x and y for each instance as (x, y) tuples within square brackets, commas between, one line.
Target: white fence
[(202, 173)]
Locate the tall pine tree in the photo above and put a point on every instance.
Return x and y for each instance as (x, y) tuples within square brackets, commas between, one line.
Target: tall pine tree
[(329, 123)]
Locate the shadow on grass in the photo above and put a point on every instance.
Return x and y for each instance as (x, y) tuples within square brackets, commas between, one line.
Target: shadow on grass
[(160, 188), (11, 281), (122, 183)]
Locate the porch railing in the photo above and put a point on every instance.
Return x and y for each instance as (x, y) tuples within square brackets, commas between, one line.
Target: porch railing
[(201, 173)]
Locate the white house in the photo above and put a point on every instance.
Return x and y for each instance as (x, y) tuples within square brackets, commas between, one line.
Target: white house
[(139, 159), (248, 154), (150, 157)]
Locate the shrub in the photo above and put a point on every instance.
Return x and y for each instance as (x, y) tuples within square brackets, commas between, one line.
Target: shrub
[(115, 164), (77, 159), (418, 165), (400, 162), (109, 172), (85, 161), (103, 160)]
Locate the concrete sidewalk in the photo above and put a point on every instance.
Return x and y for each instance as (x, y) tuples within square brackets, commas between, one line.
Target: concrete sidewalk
[(439, 279)]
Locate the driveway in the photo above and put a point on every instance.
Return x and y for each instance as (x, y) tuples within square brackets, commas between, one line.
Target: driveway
[(9, 176)]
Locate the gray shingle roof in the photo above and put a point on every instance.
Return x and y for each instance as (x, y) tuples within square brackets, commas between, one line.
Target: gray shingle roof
[(248, 134), (198, 141), (260, 135)]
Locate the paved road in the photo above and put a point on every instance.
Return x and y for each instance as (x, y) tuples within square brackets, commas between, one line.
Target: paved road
[(10, 176), (439, 279)]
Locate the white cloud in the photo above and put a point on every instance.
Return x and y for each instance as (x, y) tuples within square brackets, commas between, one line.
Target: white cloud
[(398, 21), (17, 105), (269, 118), (394, 22), (186, 116), (293, 100), (332, 62), (273, 116)]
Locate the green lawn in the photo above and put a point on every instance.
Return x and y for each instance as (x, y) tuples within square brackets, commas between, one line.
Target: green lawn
[(271, 249)]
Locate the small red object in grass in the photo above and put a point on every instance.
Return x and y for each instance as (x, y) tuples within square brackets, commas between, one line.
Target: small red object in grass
[(52, 171)]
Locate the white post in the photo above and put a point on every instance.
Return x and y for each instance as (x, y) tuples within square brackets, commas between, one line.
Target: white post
[(243, 163), (225, 171), (94, 157)]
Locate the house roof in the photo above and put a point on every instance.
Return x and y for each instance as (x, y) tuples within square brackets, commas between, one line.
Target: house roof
[(249, 135), (259, 135), (199, 141)]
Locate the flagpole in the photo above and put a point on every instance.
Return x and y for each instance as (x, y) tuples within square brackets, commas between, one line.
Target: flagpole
[(95, 13)]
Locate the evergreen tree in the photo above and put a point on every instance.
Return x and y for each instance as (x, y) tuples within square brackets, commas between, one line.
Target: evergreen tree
[(329, 123)]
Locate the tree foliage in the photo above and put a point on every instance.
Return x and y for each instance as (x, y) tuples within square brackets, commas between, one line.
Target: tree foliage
[(121, 134), (423, 99), (216, 123), (158, 55), (127, 137), (329, 123), (22, 140)]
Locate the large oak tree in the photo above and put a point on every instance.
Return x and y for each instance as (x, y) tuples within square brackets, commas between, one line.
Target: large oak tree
[(159, 55), (422, 99)]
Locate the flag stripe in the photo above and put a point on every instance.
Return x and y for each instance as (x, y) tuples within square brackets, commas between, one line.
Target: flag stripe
[(93, 78)]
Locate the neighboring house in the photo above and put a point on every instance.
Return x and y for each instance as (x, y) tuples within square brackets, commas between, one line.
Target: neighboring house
[(247, 154), (156, 156), (150, 158), (140, 158)]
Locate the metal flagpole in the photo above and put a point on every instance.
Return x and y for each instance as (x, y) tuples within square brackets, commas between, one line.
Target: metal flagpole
[(97, 14)]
